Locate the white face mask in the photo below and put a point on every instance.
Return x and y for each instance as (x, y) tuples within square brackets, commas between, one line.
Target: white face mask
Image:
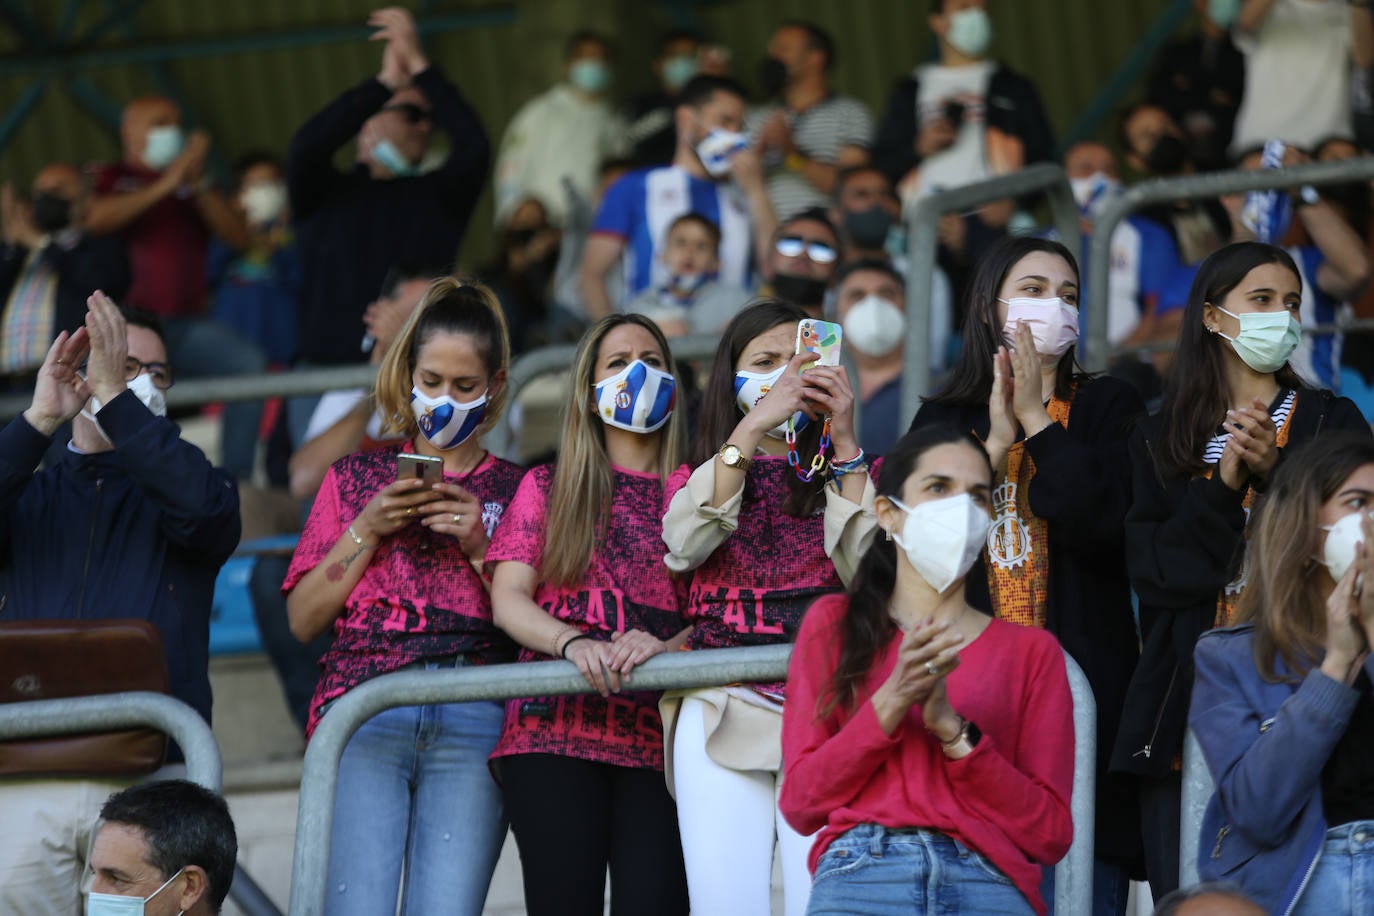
[(752, 387), (874, 326), (942, 538), (263, 203), (119, 905), (163, 145), (1094, 192), (718, 148), (153, 398), (1341, 540)]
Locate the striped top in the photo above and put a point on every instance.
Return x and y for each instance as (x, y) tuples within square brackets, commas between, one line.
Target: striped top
[(1279, 414), (819, 133)]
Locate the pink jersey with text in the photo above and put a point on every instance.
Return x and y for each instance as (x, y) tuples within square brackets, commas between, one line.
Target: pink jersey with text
[(627, 587), (419, 597), (756, 586)]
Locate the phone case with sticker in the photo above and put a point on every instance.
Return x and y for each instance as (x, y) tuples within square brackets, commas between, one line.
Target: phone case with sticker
[(822, 338)]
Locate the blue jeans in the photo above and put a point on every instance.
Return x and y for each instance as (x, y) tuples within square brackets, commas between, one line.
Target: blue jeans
[(202, 347), (414, 788), (1343, 882), (874, 871)]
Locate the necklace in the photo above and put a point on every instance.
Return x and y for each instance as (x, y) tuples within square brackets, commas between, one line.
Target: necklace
[(818, 462)]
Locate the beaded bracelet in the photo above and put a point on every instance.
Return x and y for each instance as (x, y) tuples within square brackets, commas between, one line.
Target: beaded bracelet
[(841, 468), (557, 637)]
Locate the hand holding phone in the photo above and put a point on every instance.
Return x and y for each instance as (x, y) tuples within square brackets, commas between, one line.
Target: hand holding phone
[(822, 338), (410, 465)]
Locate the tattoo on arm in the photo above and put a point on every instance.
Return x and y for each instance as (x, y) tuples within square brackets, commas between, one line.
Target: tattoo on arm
[(336, 571)]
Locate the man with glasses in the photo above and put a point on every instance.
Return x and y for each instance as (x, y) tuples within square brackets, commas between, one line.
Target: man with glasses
[(131, 522), (803, 260)]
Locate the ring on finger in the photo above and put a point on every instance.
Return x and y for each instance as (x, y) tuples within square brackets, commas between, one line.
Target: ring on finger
[(410, 511), (457, 517), (931, 668)]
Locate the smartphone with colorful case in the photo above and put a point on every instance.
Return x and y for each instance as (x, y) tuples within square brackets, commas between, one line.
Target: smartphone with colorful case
[(822, 338)]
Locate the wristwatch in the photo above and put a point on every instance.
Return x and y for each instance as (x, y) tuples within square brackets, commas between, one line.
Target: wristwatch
[(963, 743), (731, 456)]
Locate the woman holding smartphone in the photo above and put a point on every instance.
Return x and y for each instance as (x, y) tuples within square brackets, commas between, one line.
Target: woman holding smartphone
[(1232, 406), (1057, 438), (754, 535), (931, 745), (578, 574), (1283, 706), (395, 566)]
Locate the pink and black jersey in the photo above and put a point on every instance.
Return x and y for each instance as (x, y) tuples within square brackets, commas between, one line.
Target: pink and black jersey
[(419, 597), (755, 587), (627, 587)]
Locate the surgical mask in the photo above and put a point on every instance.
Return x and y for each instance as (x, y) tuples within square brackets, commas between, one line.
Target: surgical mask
[(1053, 324), (385, 154), (446, 423), (970, 31), (717, 148), (1266, 339), (591, 76), (942, 538), (1093, 192), (752, 387), (164, 144), (51, 213), (1341, 540), (637, 399), (800, 290), (153, 398), (677, 71), (874, 326), (1223, 12), (120, 905), (869, 228), (264, 203)]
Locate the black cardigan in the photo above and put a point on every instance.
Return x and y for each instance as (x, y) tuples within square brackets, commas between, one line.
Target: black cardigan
[(1081, 488), (1185, 539)]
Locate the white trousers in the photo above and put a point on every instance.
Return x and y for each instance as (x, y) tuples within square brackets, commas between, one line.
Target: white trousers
[(729, 823)]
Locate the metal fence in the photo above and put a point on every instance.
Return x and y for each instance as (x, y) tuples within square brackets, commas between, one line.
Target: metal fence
[(923, 242), (319, 776), (1189, 187), (47, 718), (1197, 792)]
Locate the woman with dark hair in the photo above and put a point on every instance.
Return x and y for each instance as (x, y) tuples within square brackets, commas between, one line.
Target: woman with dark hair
[(931, 745), (578, 574), (394, 566), (756, 538), (1284, 708), (1231, 406), (1057, 438)]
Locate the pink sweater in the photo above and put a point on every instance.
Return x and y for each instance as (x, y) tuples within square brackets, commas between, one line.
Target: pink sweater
[(1009, 799)]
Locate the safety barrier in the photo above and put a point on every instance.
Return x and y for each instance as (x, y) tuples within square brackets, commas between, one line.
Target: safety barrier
[(1190, 187), (45, 718), (1197, 792), (923, 242), (319, 775)]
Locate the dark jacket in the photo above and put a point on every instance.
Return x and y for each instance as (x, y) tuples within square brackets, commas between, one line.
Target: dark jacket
[(92, 262), (353, 228), (1266, 745), (1012, 106), (1081, 488), (1185, 540), (140, 531)]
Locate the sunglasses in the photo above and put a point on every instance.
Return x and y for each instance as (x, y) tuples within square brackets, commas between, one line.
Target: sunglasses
[(793, 246), (413, 113)]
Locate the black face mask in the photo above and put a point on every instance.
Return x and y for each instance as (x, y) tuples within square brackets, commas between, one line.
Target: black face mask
[(1168, 156), (772, 76), (519, 238), (799, 290), (868, 228), (51, 213)]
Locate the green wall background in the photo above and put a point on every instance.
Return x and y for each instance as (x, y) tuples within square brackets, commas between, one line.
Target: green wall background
[(254, 99)]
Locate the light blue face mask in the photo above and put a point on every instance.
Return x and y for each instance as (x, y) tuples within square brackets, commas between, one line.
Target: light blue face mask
[(1266, 339), (970, 31), (590, 75), (385, 153), (1223, 12), (119, 905), (678, 70), (164, 144)]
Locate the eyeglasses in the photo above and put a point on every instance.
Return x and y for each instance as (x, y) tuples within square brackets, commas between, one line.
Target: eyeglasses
[(161, 373), (794, 246), (413, 113)]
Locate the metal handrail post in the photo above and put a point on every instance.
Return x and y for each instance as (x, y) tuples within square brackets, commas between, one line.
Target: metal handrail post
[(1197, 793), (923, 241), (1189, 187), (320, 773), (1073, 876)]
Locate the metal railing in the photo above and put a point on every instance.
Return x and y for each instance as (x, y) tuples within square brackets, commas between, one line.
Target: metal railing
[(923, 243), (319, 775), (1190, 187), (135, 709), (1197, 792)]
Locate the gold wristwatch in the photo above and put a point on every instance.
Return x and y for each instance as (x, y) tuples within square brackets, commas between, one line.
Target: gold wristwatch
[(731, 456)]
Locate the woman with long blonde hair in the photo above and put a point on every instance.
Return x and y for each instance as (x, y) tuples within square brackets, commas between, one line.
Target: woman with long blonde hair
[(578, 574), (393, 564)]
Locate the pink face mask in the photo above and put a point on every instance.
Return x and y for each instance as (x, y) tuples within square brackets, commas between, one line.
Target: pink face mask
[(1053, 322)]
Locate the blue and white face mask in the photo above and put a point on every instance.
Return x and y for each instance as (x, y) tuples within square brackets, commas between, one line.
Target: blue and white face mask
[(752, 387), (446, 423), (637, 399)]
